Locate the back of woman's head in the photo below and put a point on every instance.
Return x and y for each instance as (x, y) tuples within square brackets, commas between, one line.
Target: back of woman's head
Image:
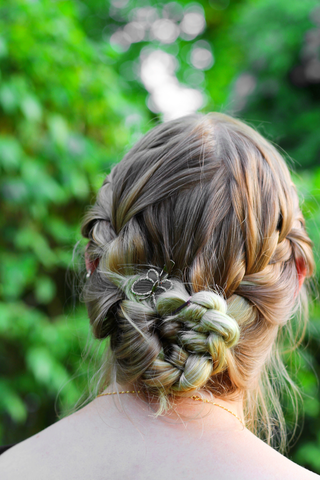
[(212, 195)]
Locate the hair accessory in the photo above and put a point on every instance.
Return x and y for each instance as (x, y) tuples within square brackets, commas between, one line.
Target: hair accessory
[(185, 304), (115, 393), (153, 283), (196, 398)]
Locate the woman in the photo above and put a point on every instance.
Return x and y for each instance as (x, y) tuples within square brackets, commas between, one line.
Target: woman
[(196, 260)]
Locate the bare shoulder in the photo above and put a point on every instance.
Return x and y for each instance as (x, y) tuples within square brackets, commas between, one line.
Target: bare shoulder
[(85, 445), (67, 449), (17, 461), (273, 465), (13, 460), (286, 469), (36, 456)]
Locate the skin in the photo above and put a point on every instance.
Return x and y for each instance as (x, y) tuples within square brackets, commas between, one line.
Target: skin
[(120, 438)]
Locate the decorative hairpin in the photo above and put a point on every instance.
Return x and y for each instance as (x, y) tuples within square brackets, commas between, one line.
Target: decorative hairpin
[(153, 283)]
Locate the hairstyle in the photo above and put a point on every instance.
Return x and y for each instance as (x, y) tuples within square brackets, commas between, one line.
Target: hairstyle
[(213, 195)]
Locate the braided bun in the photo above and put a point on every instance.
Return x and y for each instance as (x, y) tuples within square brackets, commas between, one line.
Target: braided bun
[(214, 196), (202, 327), (203, 332), (167, 352)]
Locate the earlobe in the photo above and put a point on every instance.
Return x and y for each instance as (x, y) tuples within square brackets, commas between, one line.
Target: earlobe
[(90, 266), (301, 270)]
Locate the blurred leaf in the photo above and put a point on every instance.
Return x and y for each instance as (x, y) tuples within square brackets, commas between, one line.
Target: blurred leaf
[(31, 108), (8, 98), (11, 403), (59, 129), (10, 154), (45, 289), (309, 454)]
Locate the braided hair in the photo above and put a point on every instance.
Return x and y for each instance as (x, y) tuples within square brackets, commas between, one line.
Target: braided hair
[(214, 196)]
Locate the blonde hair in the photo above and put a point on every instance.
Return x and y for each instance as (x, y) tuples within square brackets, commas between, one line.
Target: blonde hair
[(214, 196)]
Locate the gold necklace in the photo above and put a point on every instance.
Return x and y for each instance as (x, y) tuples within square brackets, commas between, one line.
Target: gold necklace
[(196, 398), (205, 400)]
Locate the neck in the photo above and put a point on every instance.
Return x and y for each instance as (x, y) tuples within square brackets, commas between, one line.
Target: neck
[(185, 407)]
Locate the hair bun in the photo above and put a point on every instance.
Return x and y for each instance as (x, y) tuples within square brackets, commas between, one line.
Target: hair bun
[(215, 319), (214, 195), (202, 327)]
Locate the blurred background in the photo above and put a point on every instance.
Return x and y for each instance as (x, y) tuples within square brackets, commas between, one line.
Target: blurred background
[(80, 82)]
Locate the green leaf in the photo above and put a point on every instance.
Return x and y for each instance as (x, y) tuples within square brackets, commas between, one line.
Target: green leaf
[(9, 99), (45, 289), (31, 108), (12, 404), (10, 153), (58, 128), (3, 47)]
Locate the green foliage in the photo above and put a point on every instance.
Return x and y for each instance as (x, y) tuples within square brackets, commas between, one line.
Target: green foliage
[(71, 101), (278, 84), (276, 89), (62, 124)]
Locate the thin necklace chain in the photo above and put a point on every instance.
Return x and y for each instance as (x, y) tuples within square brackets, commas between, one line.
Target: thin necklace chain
[(196, 398), (205, 400)]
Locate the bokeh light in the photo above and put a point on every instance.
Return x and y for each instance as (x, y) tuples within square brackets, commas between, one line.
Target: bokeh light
[(167, 95), (193, 22)]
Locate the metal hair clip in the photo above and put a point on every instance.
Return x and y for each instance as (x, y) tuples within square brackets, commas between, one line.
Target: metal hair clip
[(153, 283), (185, 304)]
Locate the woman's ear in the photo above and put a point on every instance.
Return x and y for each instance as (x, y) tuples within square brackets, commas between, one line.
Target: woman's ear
[(90, 266), (301, 270)]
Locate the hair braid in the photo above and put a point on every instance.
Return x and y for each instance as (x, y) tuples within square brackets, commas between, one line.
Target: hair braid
[(212, 194)]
